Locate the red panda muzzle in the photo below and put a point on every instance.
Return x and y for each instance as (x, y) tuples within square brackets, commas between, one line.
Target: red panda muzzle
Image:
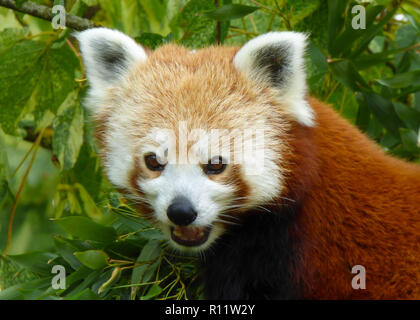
[(190, 236)]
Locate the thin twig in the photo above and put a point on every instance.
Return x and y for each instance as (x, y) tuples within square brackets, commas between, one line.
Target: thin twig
[(218, 26), (23, 159), (45, 13), (22, 184)]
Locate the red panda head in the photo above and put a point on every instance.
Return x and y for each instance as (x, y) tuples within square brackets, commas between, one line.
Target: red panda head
[(196, 137)]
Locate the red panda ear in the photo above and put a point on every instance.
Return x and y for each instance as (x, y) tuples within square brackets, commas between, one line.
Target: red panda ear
[(276, 59), (107, 56)]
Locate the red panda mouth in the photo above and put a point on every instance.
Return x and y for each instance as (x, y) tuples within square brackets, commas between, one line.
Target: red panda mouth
[(190, 236)]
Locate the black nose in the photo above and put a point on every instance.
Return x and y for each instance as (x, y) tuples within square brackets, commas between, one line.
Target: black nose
[(181, 211)]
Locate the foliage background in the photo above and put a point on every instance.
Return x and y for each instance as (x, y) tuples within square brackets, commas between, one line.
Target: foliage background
[(52, 188)]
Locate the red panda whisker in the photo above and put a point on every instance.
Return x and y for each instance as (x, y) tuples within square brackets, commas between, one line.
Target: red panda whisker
[(288, 199), (227, 219), (263, 208), (228, 216), (227, 222)]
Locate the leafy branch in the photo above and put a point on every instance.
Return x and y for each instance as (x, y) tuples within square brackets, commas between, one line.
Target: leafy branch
[(45, 13)]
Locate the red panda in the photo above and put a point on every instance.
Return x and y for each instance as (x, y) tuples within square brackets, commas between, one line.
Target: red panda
[(289, 221)]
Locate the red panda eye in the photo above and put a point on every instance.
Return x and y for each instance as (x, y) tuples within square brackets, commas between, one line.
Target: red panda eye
[(215, 166), (152, 162)]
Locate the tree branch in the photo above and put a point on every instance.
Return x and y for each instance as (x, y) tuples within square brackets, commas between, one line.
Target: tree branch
[(44, 12), (218, 25)]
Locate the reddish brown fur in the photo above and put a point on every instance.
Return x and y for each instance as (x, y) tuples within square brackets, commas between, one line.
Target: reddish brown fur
[(361, 207)]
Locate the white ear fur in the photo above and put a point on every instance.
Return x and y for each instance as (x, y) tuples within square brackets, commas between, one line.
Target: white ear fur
[(276, 58), (107, 55)]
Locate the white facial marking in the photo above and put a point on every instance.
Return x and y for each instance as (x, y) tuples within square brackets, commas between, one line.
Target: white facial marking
[(188, 180), (119, 159)]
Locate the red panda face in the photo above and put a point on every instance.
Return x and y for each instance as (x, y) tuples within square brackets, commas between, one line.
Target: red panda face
[(197, 137)]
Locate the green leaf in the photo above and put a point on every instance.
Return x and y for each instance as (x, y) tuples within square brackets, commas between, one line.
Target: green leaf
[(154, 291), (156, 15), (89, 206), (346, 73), (36, 77), (11, 293), (344, 101), (66, 251), (111, 277), (407, 91), (85, 229), (348, 38), (301, 9), (410, 140), (336, 9), (4, 188), (315, 23), (68, 131), (402, 80), (88, 280), (91, 3), (56, 80), (37, 262), (131, 17), (137, 223), (363, 113), (10, 36), (376, 130), (412, 20), (409, 115), (145, 271), (230, 12), (369, 60), (416, 102), (406, 36), (134, 224), (93, 259), (73, 202), (193, 28), (4, 169), (388, 141), (86, 294), (316, 66), (19, 3), (150, 40), (383, 110), (16, 292), (371, 32), (77, 275), (88, 170), (19, 75)]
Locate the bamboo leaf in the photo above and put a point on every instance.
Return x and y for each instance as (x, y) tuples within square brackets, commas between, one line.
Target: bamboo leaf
[(85, 229), (68, 131), (93, 259), (402, 80), (230, 12)]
